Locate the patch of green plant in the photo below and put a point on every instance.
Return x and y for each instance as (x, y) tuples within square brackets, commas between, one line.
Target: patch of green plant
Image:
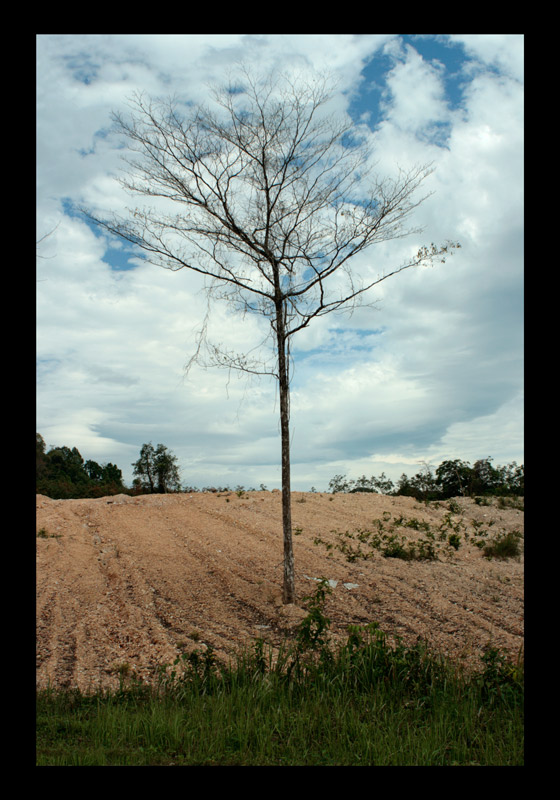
[(504, 545), (416, 524), (42, 533), (362, 702), (449, 524), (362, 544), (512, 502), (454, 540)]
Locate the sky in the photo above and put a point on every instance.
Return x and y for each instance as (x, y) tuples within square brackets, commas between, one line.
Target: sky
[(433, 371)]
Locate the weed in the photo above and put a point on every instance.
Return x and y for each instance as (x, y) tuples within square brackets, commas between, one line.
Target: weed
[(511, 502), (125, 672), (501, 679), (417, 525), (454, 540), (387, 542), (312, 629), (450, 524), (42, 533), (505, 545)]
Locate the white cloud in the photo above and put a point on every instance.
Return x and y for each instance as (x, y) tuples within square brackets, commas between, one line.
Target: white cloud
[(435, 369), (415, 95), (504, 51)]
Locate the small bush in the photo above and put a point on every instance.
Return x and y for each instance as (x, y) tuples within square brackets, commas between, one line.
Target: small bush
[(454, 540), (506, 545)]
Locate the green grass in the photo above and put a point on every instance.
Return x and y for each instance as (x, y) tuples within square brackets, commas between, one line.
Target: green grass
[(363, 702)]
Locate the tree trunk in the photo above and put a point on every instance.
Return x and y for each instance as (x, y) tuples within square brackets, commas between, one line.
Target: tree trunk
[(289, 591)]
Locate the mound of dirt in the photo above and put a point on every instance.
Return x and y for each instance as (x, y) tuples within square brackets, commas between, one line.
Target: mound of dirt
[(138, 580)]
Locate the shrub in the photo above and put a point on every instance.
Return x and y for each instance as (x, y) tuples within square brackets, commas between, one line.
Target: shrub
[(506, 545)]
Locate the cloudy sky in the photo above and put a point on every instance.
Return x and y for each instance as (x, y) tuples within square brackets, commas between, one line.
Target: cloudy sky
[(434, 371)]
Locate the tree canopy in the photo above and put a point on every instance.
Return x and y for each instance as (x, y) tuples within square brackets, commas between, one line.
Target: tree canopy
[(452, 478), (156, 470), (61, 473)]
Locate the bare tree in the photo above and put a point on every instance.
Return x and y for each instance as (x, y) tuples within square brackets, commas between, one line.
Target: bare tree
[(269, 197)]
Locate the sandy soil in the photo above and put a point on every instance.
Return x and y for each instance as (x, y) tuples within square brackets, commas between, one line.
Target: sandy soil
[(139, 580)]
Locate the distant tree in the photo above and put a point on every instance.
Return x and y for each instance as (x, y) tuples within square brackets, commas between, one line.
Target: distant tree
[(94, 471), (144, 468), (363, 484), (404, 487), (486, 479), (156, 470), (41, 456), (61, 473), (167, 470), (455, 478), (380, 485), (339, 484), (452, 478), (68, 462), (383, 484), (110, 473), (424, 485), (513, 479)]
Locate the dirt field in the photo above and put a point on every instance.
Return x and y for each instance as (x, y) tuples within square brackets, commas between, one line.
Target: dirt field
[(139, 580)]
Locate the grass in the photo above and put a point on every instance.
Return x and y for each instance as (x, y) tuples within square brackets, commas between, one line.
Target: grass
[(363, 702)]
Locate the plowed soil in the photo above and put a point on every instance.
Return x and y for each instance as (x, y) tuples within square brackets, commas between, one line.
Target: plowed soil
[(139, 580)]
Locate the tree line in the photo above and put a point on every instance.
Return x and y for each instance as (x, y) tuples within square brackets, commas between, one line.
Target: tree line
[(453, 478), (62, 473)]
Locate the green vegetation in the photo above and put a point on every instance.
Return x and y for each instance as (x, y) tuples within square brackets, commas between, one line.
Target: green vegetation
[(62, 473), (505, 545), (156, 470), (363, 702), (362, 544), (453, 478), (42, 533)]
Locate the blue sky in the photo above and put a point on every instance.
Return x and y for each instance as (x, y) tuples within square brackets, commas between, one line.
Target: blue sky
[(434, 371)]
